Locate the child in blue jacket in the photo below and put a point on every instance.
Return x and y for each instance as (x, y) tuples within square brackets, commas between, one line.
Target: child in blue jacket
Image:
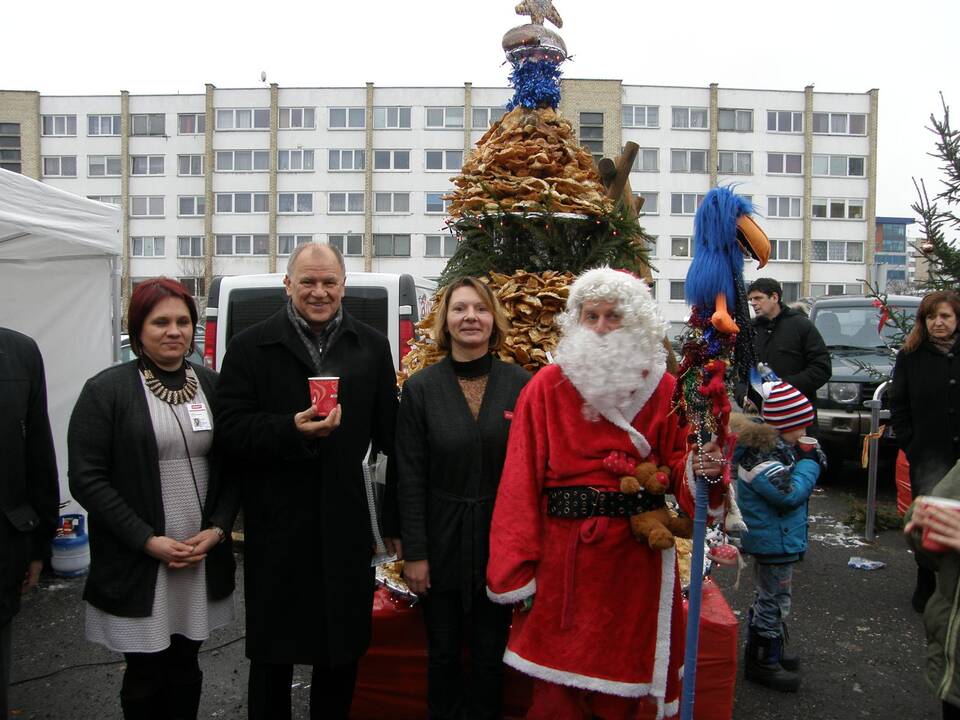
[(775, 477)]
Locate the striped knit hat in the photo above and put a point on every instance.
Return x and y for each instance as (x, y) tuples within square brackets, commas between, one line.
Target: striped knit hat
[(785, 407)]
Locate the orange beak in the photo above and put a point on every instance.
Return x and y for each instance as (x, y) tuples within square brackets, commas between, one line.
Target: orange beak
[(753, 239)]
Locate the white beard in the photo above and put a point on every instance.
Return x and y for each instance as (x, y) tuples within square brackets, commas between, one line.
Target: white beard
[(618, 370)]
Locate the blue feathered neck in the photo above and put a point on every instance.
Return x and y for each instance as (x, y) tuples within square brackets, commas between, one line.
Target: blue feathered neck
[(717, 257)]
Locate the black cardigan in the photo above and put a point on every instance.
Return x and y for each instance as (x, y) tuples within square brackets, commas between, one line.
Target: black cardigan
[(114, 474), (449, 468)]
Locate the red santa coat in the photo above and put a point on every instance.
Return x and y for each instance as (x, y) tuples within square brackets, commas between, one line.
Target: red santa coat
[(607, 615)]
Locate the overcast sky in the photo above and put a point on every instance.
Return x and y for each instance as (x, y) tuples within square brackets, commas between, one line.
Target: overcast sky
[(906, 49)]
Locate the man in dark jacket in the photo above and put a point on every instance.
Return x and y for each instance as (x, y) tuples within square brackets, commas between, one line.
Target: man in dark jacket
[(29, 492), (308, 580), (787, 341)]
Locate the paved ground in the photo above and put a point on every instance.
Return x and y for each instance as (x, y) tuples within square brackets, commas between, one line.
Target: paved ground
[(860, 641)]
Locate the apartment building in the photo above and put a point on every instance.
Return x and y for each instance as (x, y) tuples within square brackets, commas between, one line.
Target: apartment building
[(229, 181)]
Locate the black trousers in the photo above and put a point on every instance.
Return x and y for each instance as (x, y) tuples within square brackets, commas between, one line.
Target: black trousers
[(488, 624), (164, 684), (5, 633), (331, 691), (950, 712)]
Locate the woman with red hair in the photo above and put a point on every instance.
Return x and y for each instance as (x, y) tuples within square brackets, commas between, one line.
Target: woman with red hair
[(142, 465)]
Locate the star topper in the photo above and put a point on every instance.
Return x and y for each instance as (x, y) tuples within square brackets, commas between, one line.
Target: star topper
[(540, 10)]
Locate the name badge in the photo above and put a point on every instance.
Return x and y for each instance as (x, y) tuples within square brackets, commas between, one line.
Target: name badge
[(199, 419)]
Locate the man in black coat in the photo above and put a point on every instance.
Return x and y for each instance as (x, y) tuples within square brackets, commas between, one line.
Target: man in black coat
[(308, 545), (787, 341), (29, 491)]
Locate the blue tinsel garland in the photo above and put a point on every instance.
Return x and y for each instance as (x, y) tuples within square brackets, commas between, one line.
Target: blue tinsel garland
[(536, 84)]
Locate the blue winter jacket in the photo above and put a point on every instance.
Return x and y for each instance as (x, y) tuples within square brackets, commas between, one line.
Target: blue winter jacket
[(772, 490)]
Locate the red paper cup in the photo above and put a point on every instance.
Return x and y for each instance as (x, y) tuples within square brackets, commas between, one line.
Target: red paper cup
[(807, 443), (323, 394), (926, 541)]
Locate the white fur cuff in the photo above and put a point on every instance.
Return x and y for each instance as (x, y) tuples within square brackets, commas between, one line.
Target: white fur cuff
[(513, 596)]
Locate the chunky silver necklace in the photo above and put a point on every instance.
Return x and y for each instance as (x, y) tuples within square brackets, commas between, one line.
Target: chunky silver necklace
[(173, 397)]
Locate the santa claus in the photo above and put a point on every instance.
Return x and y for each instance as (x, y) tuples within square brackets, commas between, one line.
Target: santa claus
[(599, 623)]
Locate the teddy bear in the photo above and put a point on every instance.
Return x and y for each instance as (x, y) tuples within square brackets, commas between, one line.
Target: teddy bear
[(657, 527)]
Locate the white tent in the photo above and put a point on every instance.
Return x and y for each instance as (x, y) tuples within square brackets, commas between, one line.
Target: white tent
[(60, 284)]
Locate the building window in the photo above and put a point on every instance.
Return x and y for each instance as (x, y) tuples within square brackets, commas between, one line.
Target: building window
[(59, 125), (391, 245), (685, 203), (677, 290), (243, 160), (784, 164), (391, 159), (783, 206), (10, 151), (342, 202), (243, 119), (190, 246), (189, 164), (591, 133), (295, 160), (148, 124), (689, 118), (60, 166), (146, 206), (286, 243), (817, 289), (791, 291), (146, 164), (440, 245), (146, 246), (784, 121), (384, 202), (681, 247), (195, 285), (735, 120), (242, 244), (651, 202), (103, 125), (839, 123), (484, 117), (391, 118), (785, 250), (300, 203), (839, 165), (641, 116), (444, 160), (191, 123), (343, 118), (436, 204), (837, 251), (108, 199), (242, 203), (346, 160), (298, 118), (688, 161), (191, 205), (837, 209), (650, 241), (103, 166), (647, 160), (445, 117), (350, 245), (734, 162)]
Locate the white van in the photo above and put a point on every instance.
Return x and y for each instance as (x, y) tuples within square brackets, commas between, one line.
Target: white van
[(389, 302)]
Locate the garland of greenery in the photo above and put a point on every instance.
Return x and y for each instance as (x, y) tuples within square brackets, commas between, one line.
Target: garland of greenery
[(539, 241)]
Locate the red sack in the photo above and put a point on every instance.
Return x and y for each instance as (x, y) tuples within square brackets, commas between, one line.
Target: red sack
[(904, 493)]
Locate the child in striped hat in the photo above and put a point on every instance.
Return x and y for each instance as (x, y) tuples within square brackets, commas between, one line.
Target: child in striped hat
[(775, 477)]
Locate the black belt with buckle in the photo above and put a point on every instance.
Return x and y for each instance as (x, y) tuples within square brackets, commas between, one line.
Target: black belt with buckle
[(582, 501)]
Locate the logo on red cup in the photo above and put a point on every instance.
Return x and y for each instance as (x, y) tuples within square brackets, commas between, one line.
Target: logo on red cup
[(926, 541), (323, 394)]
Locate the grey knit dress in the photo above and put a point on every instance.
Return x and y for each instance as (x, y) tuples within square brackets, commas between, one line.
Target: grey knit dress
[(180, 605)]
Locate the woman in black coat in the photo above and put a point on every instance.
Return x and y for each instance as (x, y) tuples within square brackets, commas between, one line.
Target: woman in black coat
[(451, 442), (140, 462), (925, 403)]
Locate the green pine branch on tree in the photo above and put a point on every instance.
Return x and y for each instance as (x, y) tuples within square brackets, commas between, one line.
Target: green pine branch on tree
[(505, 242), (938, 220)]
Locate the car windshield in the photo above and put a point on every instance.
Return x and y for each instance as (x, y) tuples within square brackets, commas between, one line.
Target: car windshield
[(854, 327)]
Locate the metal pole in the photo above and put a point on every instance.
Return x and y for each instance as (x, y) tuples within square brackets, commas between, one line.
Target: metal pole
[(693, 605), (875, 404)]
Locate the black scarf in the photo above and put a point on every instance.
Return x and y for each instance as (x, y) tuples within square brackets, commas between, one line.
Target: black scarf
[(316, 343)]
